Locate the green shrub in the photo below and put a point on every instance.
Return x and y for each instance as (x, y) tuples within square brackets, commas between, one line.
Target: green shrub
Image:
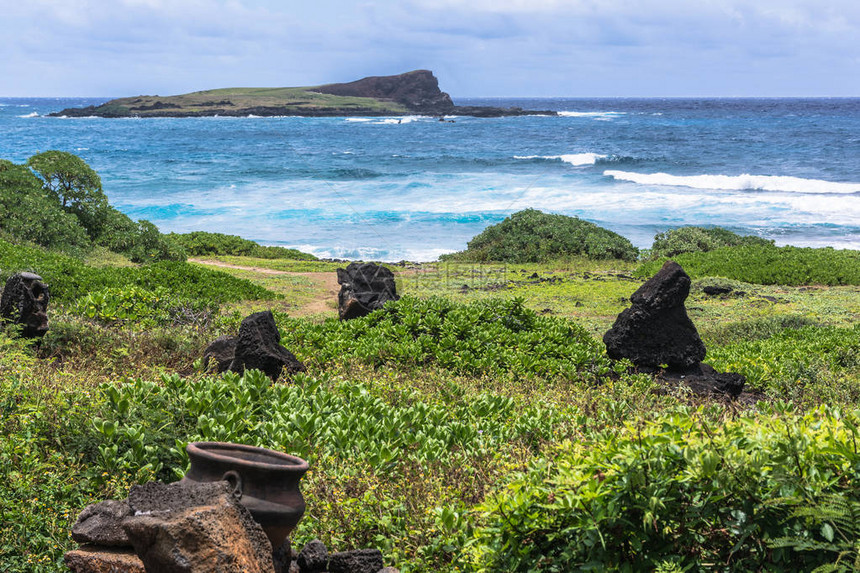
[(202, 244), (807, 363), (128, 305), (484, 337), (531, 236), (70, 278), (699, 239), (768, 265), (677, 491)]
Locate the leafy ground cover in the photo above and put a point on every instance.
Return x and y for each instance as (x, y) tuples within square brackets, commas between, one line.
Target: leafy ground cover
[(478, 428), (769, 265)]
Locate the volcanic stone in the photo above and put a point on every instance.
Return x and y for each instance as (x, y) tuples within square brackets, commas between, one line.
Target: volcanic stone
[(656, 330), (365, 287), (222, 350), (258, 346), (358, 561), (25, 301), (195, 528), (103, 560), (101, 524), (313, 557)]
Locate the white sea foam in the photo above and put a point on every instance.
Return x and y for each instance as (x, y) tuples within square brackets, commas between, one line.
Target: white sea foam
[(577, 159), (738, 182), (34, 114), (592, 114)]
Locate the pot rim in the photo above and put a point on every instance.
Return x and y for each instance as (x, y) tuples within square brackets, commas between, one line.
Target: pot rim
[(210, 450)]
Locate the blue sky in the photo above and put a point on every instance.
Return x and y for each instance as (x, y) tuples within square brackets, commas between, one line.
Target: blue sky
[(475, 47)]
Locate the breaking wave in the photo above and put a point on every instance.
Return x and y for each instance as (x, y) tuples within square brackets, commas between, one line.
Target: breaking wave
[(743, 182)]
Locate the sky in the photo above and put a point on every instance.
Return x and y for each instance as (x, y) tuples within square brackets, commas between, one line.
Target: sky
[(491, 48)]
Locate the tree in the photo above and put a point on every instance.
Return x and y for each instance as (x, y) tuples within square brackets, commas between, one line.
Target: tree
[(76, 185)]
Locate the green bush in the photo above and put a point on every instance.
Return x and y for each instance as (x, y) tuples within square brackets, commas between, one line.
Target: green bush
[(797, 363), (60, 204), (699, 239), (484, 337), (769, 265), (531, 236), (70, 278), (679, 493), (202, 244)]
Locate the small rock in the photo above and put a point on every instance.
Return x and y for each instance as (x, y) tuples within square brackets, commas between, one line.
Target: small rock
[(389, 570), (258, 347), (358, 561), (103, 560), (283, 557), (25, 301), (313, 557), (101, 524), (364, 287), (712, 290), (221, 350)]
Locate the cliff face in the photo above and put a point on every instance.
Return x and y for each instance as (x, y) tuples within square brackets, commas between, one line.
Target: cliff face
[(418, 90)]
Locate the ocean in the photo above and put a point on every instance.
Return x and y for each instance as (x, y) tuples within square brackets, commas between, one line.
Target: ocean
[(413, 188)]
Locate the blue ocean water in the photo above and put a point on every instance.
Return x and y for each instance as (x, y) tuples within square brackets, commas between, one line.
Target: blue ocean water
[(413, 188)]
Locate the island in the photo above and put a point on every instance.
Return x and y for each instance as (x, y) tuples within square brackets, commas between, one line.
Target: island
[(415, 92)]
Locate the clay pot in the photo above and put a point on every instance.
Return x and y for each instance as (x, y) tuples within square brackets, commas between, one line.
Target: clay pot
[(264, 481)]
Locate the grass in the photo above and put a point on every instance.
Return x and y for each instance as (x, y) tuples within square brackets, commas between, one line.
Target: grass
[(417, 455)]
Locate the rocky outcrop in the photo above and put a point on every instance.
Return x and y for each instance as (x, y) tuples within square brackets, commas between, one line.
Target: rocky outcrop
[(195, 528), (103, 560), (364, 287), (417, 90), (101, 524), (258, 347), (656, 330), (25, 301)]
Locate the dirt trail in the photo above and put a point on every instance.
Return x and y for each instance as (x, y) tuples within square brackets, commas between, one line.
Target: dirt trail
[(326, 283)]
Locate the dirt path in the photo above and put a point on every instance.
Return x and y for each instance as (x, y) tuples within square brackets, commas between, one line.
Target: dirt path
[(326, 283)]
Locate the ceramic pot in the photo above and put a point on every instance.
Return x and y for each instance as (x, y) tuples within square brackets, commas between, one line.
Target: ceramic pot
[(264, 481)]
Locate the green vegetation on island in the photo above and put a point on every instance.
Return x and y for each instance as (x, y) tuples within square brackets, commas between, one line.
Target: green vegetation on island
[(474, 425)]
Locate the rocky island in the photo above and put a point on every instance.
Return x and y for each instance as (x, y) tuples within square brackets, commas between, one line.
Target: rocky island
[(415, 92)]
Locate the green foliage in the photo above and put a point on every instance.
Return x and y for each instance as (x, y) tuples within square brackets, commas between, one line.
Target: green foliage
[(202, 244), (677, 490), (809, 362), (699, 239), (70, 278), (532, 236), (483, 337), (147, 424), (67, 210), (127, 305), (768, 265), (29, 213)]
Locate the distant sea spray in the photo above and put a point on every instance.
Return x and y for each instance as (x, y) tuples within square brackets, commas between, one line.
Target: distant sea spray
[(414, 187)]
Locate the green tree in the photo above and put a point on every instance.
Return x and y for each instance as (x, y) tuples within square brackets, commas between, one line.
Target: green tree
[(77, 186)]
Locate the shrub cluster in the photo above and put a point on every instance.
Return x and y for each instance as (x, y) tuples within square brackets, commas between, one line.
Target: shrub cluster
[(699, 239), (484, 337), (56, 200), (70, 278), (769, 492), (202, 243), (531, 236), (769, 265)]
